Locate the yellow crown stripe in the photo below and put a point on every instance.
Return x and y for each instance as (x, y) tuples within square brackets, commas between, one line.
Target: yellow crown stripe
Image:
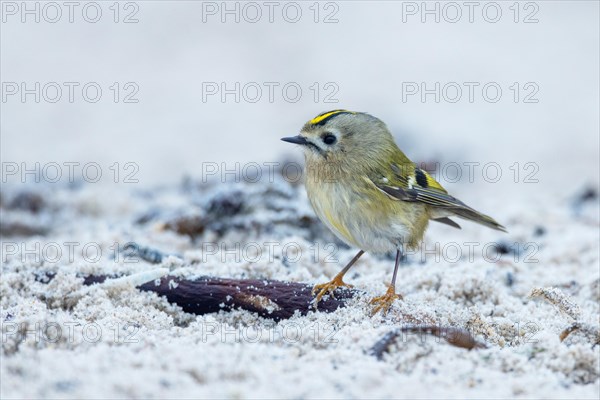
[(324, 116)]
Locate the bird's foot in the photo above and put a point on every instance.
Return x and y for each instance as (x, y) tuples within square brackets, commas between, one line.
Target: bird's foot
[(383, 303), (328, 288)]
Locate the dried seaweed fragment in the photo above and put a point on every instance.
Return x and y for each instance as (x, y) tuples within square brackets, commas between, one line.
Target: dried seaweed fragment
[(455, 336), (149, 254), (192, 226), (568, 331), (557, 298), (28, 201), (565, 305), (17, 228)]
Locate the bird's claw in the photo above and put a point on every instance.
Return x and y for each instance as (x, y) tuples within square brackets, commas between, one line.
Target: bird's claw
[(328, 288), (383, 303)]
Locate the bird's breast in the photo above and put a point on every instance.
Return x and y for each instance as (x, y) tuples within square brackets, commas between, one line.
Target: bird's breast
[(362, 216)]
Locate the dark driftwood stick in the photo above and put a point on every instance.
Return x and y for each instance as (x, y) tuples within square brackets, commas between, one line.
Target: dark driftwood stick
[(275, 300), (270, 299)]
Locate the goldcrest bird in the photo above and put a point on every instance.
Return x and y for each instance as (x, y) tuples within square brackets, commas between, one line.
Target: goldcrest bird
[(363, 187)]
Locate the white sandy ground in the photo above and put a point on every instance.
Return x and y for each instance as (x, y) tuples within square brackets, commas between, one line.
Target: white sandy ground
[(160, 351), (123, 343)]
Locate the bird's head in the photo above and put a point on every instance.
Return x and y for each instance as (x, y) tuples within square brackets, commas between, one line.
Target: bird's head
[(343, 136)]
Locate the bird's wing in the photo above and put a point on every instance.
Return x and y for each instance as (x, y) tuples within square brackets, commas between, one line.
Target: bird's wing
[(407, 182)]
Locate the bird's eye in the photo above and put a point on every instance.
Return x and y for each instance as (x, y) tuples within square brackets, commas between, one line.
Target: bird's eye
[(329, 139)]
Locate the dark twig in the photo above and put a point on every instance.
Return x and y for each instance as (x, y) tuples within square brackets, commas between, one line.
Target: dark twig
[(270, 299), (276, 300)]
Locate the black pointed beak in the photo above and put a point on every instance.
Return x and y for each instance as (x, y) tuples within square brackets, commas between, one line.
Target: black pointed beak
[(295, 139)]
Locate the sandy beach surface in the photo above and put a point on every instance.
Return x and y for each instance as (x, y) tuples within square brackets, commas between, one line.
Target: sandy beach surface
[(177, 168), (61, 340)]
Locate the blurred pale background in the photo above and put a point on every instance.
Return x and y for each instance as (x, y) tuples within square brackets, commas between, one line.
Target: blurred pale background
[(368, 56)]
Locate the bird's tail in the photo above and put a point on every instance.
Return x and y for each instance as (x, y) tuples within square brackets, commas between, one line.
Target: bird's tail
[(475, 216)]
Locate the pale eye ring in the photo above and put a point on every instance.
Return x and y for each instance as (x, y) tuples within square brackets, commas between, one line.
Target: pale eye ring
[(329, 139)]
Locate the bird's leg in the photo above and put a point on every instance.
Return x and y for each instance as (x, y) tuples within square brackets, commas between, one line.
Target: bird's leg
[(383, 303), (329, 287)]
